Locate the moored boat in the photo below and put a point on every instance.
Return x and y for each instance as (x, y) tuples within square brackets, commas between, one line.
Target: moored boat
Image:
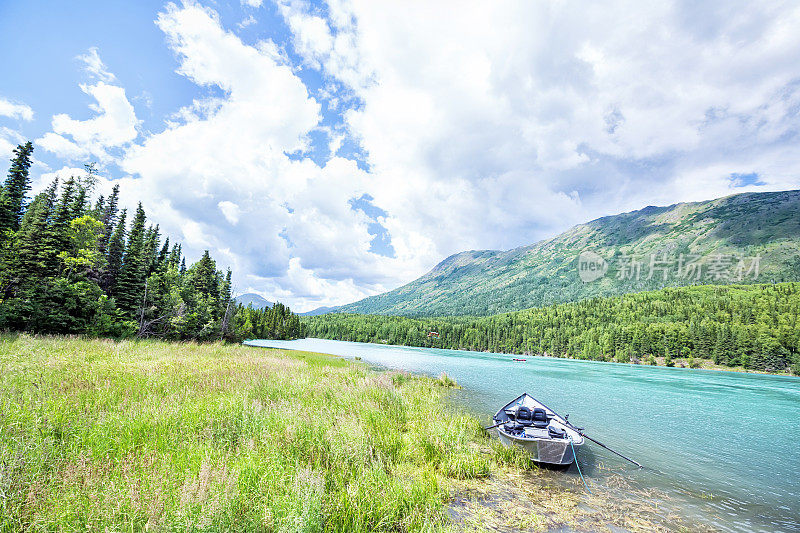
[(545, 435)]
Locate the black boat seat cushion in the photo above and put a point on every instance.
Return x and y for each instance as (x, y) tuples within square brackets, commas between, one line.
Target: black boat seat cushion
[(556, 432), (540, 418), (524, 416)]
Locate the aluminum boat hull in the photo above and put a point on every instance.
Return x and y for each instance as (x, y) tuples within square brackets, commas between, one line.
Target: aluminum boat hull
[(540, 446)]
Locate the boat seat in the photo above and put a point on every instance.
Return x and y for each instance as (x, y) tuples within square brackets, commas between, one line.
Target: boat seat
[(540, 418), (556, 432), (524, 416)]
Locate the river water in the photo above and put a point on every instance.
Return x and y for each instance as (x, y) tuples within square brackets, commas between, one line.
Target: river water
[(722, 448)]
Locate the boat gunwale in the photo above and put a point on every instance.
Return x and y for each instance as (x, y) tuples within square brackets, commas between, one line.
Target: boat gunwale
[(561, 420)]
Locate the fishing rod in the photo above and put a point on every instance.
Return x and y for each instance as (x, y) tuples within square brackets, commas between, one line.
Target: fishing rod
[(498, 424), (582, 434)]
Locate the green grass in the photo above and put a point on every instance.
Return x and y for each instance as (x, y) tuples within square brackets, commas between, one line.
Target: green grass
[(129, 436)]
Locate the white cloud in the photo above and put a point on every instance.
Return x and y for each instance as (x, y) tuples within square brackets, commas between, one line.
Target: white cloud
[(252, 3), (9, 139), (40, 182), (230, 210), (219, 175), (114, 126), (482, 126), (12, 110), (95, 66), (62, 147), (492, 126), (249, 21)]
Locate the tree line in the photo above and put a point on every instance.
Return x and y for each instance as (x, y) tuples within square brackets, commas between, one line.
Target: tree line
[(70, 265), (752, 326)]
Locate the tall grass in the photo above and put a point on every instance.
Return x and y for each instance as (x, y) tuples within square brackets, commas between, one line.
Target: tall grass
[(145, 435)]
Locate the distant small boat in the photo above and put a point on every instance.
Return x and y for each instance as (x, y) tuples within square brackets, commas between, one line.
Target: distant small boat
[(515, 359), (528, 423)]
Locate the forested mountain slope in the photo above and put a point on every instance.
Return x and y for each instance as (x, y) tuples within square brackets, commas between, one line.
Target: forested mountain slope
[(744, 238), (752, 326)]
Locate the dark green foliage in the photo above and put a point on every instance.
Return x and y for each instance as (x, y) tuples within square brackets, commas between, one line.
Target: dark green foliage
[(277, 322), (130, 284), (116, 249), (12, 194), (754, 326), (107, 214), (69, 267), (35, 247)]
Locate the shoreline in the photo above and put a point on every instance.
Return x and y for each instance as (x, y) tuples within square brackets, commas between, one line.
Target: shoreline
[(151, 434), (680, 363)]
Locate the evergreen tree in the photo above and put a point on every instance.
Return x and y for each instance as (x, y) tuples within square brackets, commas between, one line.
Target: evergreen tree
[(12, 195), (174, 259), (116, 250), (108, 217), (225, 289), (203, 278), (34, 258), (132, 275), (150, 251), (65, 263), (163, 255), (99, 206)]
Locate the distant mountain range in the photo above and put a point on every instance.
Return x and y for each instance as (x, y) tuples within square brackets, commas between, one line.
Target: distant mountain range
[(254, 300), (744, 238), (319, 311), (259, 302)]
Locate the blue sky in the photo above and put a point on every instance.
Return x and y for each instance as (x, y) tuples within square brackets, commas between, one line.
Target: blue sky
[(329, 151)]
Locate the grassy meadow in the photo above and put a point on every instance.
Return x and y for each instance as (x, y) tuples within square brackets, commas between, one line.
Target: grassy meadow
[(100, 435), (146, 435)]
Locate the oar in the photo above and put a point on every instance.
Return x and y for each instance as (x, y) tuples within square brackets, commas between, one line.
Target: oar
[(581, 433), (498, 424)]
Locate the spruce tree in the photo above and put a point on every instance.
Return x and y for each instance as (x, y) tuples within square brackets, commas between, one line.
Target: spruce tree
[(34, 256), (78, 207), (225, 289), (203, 278), (151, 249), (174, 259), (161, 261), (132, 275), (226, 304), (116, 249), (99, 206), (12, 197), (108, 218)]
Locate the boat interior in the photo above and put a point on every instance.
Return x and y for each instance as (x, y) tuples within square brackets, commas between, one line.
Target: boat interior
[(532, 423)]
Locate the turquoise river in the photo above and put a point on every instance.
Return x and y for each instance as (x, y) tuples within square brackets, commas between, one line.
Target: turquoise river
[(721, 449)]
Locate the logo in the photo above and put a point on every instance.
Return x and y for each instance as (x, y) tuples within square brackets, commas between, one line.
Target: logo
[(591, 266)]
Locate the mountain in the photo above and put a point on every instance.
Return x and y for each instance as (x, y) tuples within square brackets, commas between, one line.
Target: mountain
[(744, 238), (319, 311), (254, 300)]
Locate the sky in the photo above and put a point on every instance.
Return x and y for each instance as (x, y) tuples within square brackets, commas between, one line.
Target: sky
[(328, 151)]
